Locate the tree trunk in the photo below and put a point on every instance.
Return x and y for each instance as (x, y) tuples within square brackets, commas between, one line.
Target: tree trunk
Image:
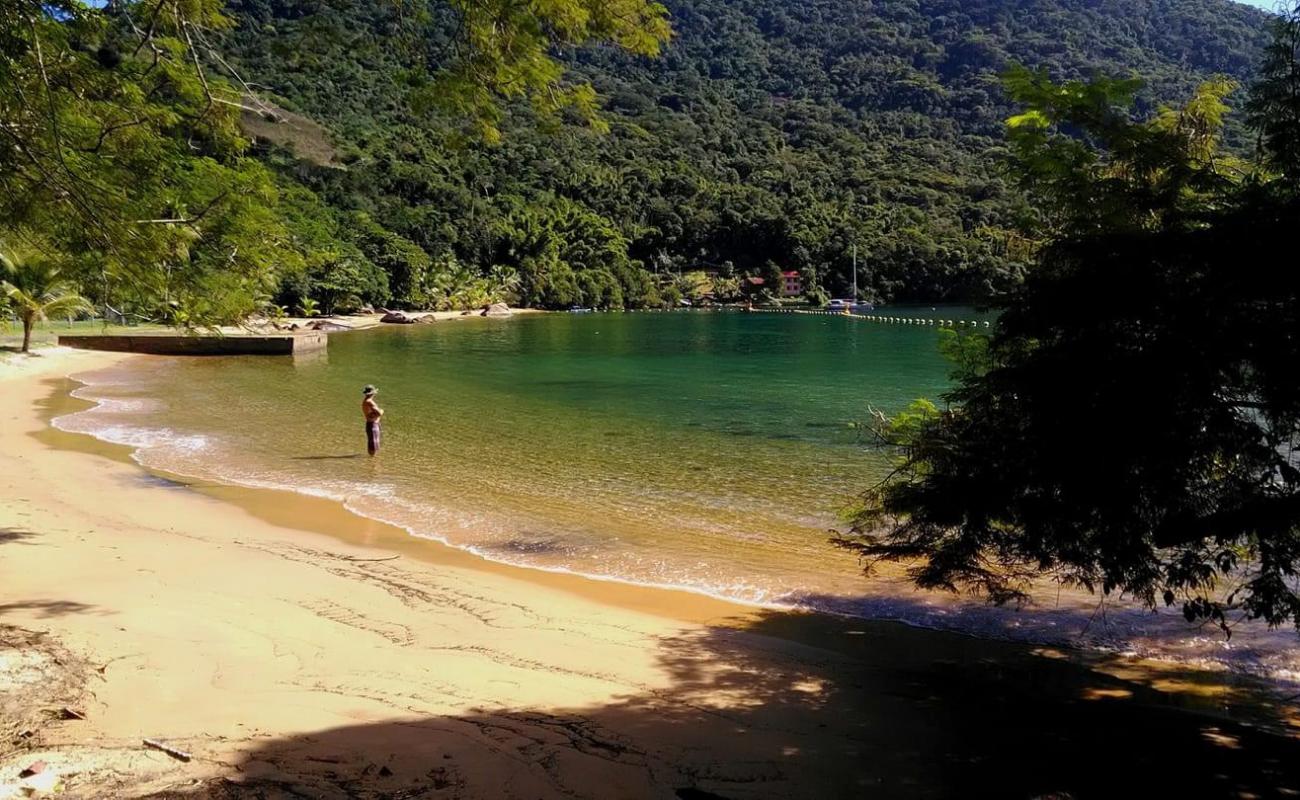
[(28, 323)]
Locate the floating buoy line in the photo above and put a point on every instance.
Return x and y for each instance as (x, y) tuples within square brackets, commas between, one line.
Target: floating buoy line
[(891, 320)]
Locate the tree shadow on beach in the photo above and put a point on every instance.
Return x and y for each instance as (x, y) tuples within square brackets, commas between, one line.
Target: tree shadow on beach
[(47, 608), (16, 536), (151, 481), (799, 706)]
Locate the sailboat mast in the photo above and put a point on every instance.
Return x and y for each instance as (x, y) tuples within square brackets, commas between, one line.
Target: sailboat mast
[(855, 272)]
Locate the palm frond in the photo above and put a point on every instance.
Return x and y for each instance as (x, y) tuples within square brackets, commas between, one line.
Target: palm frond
[(66, 305), (34, 285)]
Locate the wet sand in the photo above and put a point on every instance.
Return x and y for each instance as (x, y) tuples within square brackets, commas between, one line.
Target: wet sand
[(295, 649)]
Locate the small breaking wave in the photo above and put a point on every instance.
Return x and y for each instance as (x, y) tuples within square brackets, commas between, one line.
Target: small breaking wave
[(102, 422)]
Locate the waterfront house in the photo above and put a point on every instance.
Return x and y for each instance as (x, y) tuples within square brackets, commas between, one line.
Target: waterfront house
[(791, 284)]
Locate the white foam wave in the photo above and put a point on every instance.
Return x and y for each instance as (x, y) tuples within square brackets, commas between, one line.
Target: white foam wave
[(102, 422), (140, 437)]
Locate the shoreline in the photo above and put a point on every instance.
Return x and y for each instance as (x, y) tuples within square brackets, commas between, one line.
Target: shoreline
[(322, 515), (949, 616), (317, 515), (544, 684)]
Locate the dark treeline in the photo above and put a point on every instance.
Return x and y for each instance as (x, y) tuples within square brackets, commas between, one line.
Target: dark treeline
[(767, 135), (1132, 426)]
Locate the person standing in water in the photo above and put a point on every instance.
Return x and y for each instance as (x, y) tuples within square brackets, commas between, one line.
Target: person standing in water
[(372, 412)]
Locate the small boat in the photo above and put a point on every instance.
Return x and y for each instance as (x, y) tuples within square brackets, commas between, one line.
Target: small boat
[(579, 310)]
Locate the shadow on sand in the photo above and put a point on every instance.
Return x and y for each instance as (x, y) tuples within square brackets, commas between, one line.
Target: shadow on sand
[(46, 608), (15, 536), (798, 706)]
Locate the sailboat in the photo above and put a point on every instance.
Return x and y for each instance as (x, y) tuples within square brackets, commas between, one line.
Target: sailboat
[(858, 305)]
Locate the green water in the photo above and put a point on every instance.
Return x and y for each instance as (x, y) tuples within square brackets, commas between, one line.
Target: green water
[(705, 450)]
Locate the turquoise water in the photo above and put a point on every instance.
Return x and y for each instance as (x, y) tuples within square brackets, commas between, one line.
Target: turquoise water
[(706, 451)]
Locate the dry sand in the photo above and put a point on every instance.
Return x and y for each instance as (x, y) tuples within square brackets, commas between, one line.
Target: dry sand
[(293, 649)]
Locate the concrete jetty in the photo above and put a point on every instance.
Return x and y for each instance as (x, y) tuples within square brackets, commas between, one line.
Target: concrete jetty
[(200, 344)]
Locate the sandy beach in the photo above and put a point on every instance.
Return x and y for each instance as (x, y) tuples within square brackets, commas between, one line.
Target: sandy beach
[(288, 648)]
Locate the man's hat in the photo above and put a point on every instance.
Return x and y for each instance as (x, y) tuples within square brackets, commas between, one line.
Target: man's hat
[(369, 389)]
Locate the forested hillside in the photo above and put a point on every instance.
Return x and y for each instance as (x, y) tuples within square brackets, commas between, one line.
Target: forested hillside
[(770, 133)]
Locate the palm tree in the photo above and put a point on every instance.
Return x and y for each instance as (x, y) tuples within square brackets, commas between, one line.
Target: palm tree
[(503, 283), (35, 288)]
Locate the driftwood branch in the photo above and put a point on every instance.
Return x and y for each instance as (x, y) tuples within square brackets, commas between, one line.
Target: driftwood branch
[(168, 749)]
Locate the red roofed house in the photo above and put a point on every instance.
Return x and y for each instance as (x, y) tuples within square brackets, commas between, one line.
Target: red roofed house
[(791, 284)]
